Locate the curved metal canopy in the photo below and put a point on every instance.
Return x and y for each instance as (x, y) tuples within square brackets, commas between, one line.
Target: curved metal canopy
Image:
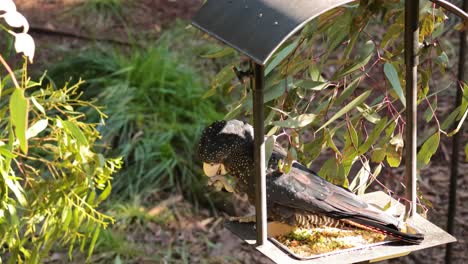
[(257, 28)]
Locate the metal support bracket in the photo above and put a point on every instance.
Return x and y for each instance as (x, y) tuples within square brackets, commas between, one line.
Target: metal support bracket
[(242, 74), (411, 61), (257, 84)]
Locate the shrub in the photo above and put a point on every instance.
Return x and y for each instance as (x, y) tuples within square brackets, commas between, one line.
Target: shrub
[(156, 113), (51, 177)]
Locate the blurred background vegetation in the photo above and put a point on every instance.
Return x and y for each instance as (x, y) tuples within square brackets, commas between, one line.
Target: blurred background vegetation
[(160, 82)]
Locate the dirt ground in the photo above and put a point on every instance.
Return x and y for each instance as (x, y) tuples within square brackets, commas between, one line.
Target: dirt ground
[(56, 28)]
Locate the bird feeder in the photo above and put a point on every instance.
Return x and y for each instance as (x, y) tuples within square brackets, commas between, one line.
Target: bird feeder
[(257, 28)]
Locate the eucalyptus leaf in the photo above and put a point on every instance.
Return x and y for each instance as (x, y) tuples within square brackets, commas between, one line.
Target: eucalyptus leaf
[(366, 54), (297, 121), (105, 193), (269, 144), (466, 152), (393, 156), (369, 114), (314, 148), (315, 73), (37, 128), (350, 88), (15, 187), (464, 101), (19, 117), (375, 134), (219, 53), (224, 76), (429, 148), (392, 77), (359, 183), (451, 118), (357, 101), (280, 56), (312, 85), (75, 132), (6, 153), (93, 242)]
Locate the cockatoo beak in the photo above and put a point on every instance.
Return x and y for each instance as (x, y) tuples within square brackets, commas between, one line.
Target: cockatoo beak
[(214, 169)]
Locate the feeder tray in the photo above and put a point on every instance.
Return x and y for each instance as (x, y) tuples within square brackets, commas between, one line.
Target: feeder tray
[(433, 236)]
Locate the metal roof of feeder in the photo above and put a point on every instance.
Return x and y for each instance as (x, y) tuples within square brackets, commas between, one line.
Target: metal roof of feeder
[(258, 27)]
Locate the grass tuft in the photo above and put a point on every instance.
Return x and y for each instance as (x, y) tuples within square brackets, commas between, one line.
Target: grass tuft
[(156, 114)]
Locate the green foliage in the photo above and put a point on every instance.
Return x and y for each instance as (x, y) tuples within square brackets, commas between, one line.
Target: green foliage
[(337, 89), (52, 177), (156, 113)]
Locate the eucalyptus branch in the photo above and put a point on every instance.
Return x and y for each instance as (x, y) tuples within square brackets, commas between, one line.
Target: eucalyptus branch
[(434, 114), (10, 72)]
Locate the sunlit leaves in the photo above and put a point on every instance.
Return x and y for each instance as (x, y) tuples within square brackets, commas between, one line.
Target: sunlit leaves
[(359, 183), (393, 156), (19, 117), (15, 187), (75, 132), (59, 203), (378, 155), (37, 128), (427, 27), (96, 232)]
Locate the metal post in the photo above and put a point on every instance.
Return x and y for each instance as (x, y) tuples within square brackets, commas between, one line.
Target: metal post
[(456, 146), (411, 61), (259, 152)]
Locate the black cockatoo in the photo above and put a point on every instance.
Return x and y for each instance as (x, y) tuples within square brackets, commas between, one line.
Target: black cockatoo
[(299, 197)]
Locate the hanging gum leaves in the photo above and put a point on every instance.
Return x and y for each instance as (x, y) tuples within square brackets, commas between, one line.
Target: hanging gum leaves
[(429, 148), (340, 86), (333, 172), (357, 101), (375, 134), (280, 56), (392, 76), (366, 53), (296, 122)]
